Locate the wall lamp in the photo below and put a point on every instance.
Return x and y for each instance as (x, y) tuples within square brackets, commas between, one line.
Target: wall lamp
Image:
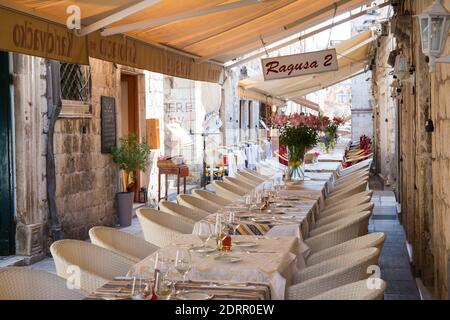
[(434, 27)]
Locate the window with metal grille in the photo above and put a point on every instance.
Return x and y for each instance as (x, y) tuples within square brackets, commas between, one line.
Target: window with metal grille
[(75, 82), (75, 89)]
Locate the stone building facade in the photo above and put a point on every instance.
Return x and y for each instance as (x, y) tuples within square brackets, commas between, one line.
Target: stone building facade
[(423, 155), (86, 179)]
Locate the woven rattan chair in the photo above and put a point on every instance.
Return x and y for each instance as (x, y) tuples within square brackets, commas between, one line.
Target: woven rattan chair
[(332, 225), (161, 228), (185, 213), (127, 245), (349, 183), (248, 180), (346, 192), (358, 175), (257, 174), (211, 197), (356, 167), (357, 199), (344, 213), (239, 183), (375, 240), (228, 191), (97, 265), (350, 228), (251, 177), (355, 291), (333, 273), (21, 283), (196, 203)]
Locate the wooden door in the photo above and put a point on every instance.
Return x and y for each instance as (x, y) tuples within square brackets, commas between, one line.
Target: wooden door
[(130, 110)]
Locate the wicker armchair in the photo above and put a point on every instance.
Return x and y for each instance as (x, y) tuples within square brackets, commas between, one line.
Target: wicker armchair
[(185, 213), (375, 240), (127, 245), (228, 191), (354, 291), (161, 228), (97, 265), (357, 175), (250, 177), (356, 167), (344, 213), (256, 173), (355, 200), (239, 183), (21, 283), (332, 225), (248, 180), (332, 273), (349, 182), (211, 197), (346, 192), (197, 204), (350, 228)]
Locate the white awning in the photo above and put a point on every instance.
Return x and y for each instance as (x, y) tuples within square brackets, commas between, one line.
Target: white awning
[(352, 59)]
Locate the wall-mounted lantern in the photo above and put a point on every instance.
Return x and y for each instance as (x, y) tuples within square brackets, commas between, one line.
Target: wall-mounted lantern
[(434, 25)]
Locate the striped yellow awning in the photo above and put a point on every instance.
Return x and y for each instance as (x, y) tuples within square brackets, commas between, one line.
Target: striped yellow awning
[(188, 38)]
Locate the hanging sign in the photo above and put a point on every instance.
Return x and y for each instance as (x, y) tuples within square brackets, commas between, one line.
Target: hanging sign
[(134, 53), (25, 34), (299, 64)]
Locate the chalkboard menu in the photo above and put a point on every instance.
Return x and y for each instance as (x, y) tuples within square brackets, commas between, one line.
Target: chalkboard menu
[(108, 115)]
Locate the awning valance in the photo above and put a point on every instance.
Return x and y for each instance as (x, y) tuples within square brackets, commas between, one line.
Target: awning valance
[(215, 30), (352, 59), (253, 95), (27, 34), (301, 100)]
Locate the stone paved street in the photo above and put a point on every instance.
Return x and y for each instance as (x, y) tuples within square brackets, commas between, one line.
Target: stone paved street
[(394, 260)]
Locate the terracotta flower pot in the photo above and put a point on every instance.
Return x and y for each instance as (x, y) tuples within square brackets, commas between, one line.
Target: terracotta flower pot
[(125, 208)]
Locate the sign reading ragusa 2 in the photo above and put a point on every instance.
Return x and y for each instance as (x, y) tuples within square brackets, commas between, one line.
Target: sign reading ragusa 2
[(299, 64)]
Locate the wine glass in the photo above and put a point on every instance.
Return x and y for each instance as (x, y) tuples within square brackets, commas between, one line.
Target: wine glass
[(259, 200), (249, 201), (204, 234), (183, 262)]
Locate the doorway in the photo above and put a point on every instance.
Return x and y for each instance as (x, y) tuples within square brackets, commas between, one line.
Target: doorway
[(129, 110), (6, 160)]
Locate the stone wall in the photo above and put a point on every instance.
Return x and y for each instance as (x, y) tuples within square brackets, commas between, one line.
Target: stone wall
[(86, 179), (424, 157), (385, 113), (440, 222)]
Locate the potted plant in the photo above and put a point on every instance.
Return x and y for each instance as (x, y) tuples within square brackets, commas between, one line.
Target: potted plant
[(131, 156)]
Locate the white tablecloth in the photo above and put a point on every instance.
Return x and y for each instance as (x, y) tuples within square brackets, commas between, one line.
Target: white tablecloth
[(273, 261)]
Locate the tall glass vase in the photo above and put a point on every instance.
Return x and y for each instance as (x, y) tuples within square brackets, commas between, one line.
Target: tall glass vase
[(296, 164)]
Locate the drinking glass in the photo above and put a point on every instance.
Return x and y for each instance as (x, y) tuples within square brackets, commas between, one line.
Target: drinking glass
[(183, 262), (259, 201), (249, 201), (204, 236), (166, 289)]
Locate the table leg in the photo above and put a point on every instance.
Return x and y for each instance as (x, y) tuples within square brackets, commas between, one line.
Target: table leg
[(167, 187), (184, 184), (178, 183), (159, 187)]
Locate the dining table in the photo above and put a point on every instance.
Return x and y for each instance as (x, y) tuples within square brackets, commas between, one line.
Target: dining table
[(267, 245)]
